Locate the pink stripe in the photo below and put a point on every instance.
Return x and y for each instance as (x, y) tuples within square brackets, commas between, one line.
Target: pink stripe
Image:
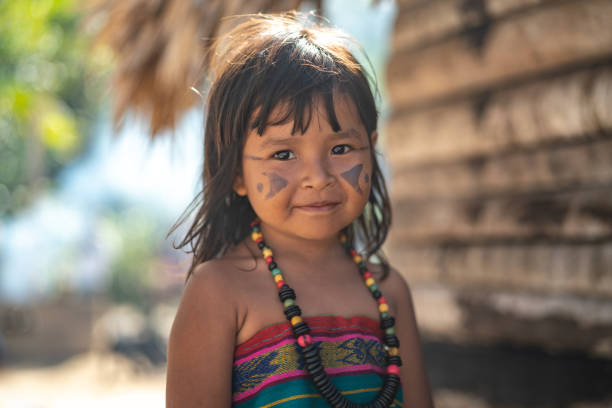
[(317, 338), (300, 373)]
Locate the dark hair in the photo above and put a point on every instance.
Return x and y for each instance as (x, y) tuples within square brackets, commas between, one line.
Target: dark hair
[(276, 62)]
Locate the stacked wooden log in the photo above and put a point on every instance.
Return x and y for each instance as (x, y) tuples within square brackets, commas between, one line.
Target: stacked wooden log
[(501, 148)]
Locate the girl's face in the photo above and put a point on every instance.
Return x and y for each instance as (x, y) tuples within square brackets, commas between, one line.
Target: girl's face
[(309, 185)]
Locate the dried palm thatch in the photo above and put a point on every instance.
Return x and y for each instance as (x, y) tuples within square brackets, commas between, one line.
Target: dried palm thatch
[(160, 48)]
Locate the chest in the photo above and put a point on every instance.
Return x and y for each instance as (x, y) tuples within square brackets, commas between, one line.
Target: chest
[(260, 305)]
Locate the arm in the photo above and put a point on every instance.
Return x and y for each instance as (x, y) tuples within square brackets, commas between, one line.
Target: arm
[(415, 386), (201, 344)]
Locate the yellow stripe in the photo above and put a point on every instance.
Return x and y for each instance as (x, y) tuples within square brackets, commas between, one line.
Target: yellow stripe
[(291, 398), (294, 397)]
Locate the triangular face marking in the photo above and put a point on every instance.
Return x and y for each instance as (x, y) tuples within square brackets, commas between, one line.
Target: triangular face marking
[(352, 177), (277, 183)]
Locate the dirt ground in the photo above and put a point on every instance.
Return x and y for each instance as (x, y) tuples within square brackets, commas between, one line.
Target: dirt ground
[(92, 380)]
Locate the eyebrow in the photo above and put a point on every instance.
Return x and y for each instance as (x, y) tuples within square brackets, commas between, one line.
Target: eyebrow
[(349, 133)]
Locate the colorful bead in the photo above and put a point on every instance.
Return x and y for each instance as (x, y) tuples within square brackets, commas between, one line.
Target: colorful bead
[(393, 369), (300, 328), (304, 340)]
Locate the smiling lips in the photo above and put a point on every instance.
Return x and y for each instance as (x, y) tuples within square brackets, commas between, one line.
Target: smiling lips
[(318, 207)]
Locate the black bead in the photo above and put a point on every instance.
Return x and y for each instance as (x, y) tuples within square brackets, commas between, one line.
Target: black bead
[(397, 360), (301, 329), (315, 369), (376, 294), (336, 399), (310, 350), (387, 322), (391, 340), (272, 265), (261, 245), (292, 311), (286, 293)]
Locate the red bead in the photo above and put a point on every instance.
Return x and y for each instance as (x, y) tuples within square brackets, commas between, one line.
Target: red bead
[(304, 340), (353, 252), (254, 223), (258, 240), (280, 284), (269, 260), (393, 369), (381, 300), (367, 274)]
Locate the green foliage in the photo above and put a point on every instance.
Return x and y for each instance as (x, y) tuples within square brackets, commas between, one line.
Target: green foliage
[(48, 95)]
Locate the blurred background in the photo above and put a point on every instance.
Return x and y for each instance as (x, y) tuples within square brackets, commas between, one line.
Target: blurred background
[(496, 123)]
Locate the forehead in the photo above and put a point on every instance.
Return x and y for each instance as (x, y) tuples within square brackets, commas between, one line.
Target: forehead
[(341, 118)]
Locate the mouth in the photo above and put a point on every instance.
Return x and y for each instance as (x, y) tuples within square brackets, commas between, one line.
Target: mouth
[(318, 207)]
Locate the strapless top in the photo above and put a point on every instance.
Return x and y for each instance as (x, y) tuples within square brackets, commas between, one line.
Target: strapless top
[(268, 370)]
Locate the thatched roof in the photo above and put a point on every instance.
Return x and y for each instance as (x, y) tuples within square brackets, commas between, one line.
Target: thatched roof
[(160, 48)]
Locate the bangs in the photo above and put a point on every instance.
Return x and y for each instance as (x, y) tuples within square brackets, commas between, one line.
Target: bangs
[(296, 77)]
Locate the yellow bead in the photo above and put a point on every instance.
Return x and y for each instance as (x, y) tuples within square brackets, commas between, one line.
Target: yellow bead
[(256, 235), (295, 320), (343, 238), (357, 259), (393, 351), (369, 281), (383, 307), (267, 252), (278, 277)]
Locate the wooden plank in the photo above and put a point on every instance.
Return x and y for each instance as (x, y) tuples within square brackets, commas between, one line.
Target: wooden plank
[(572, 106), (445, 312), (418, 26), (552, 268), (515, 48), (575, 215), (588, 163)]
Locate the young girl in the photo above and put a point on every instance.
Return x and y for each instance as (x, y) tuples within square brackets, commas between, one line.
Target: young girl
[(279, 310)]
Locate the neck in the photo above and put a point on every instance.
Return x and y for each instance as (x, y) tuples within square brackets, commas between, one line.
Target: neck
[(302, 249)]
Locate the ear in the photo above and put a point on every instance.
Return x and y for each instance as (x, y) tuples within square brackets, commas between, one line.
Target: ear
[(239, 186), (374, 138)]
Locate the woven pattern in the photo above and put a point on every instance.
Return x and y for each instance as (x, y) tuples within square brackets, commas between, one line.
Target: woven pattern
[(269, 362)]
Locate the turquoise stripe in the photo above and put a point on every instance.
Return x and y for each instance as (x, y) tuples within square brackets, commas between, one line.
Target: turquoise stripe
[(302, 392)]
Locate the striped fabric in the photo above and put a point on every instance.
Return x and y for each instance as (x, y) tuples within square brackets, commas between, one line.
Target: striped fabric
[(268, 370)]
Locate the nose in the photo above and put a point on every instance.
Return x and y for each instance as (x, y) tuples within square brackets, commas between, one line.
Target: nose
[(317, 175)]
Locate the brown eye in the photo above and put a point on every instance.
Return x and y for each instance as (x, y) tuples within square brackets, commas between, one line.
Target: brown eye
[(284, 155), (341, 149)]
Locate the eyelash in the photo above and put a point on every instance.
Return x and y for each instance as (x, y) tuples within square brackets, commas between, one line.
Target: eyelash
[(277, 155)]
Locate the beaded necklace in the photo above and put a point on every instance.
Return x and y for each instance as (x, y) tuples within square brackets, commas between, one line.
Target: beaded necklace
[(309, 350)]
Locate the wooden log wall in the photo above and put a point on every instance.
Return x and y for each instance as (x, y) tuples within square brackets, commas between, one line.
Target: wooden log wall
[(500, 143)]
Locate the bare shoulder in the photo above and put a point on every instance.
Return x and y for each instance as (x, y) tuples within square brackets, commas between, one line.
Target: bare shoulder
[(201, 343), (414, 379)]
